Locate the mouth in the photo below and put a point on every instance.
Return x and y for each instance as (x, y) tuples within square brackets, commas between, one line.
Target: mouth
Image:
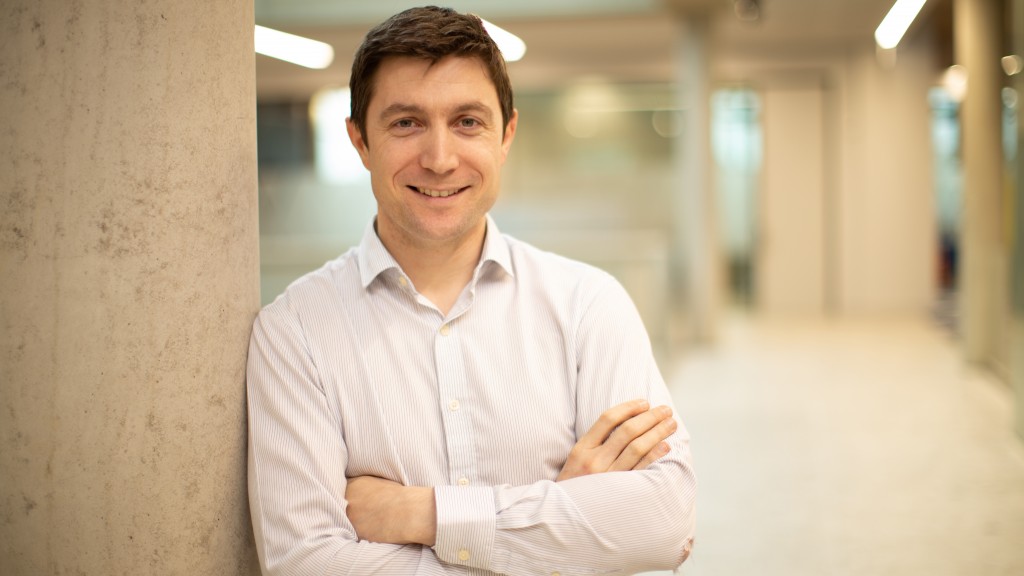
[(437, 193)]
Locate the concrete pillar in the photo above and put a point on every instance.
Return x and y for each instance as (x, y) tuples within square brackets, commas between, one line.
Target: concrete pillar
[(1016, 348), (128, 283), (695, 265), (977, 36)]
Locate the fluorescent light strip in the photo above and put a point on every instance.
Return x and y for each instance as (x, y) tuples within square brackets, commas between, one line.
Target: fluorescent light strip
[(512, 47), (292, 48), (895, 24)]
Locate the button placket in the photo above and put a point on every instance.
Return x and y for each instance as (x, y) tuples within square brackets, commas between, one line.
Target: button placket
[(455, 414)]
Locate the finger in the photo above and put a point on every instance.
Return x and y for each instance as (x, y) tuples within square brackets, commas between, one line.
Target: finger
[(634, 428), (611, 419), (657, 452), (645, 448)]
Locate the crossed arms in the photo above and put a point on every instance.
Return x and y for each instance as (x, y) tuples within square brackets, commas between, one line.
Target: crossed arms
[(629, 436)]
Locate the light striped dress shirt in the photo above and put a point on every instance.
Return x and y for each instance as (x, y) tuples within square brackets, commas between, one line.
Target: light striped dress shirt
[(352, 372)]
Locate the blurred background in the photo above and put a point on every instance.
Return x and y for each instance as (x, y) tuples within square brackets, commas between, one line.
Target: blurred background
[(823, 237)]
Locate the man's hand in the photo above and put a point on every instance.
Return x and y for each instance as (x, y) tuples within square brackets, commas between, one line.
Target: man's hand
[(629, 436), (388, 512)]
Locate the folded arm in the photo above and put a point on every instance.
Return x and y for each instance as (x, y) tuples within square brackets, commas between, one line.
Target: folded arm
[(629, 436), (608, 522), (297, 461)]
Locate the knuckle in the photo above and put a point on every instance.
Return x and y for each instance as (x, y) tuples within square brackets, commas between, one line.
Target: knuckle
[(607, 418), (634, 451), (632, 428)]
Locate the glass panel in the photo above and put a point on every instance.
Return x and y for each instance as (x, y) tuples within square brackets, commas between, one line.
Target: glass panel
[(948, 170), (736, 141)]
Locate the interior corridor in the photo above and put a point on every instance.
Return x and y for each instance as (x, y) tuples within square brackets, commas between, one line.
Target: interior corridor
[(839, 448)]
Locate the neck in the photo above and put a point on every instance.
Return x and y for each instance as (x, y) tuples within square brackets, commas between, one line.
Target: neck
[(438, 270)]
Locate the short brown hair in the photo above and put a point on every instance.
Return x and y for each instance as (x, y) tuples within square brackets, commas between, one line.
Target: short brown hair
[(430, 33)]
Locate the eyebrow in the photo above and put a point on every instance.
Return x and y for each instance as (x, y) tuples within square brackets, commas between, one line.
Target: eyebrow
[(476, 107), (399, 108)]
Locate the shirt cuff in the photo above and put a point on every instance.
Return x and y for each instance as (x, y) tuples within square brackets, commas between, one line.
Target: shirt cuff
[(465, 525)]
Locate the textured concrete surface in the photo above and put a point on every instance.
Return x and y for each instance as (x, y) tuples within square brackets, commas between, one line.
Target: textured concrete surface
[(128, 283)]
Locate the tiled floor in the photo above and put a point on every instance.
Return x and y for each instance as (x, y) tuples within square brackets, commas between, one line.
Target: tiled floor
[(860, 448)]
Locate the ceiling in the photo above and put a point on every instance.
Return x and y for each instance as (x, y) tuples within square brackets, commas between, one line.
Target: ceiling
[(618, 40)]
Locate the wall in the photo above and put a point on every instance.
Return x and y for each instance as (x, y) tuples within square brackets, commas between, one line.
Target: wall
[(128, 251), (792, 248), (876, 239), (888, 238)]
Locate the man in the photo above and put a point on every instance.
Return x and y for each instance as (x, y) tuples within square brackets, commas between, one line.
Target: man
[(443, 398)]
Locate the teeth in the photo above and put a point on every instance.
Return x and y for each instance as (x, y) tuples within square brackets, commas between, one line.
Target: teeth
[(436, 193)]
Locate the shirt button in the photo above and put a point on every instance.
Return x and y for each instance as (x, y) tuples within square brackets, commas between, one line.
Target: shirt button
[(463, 555), (445, 330), (453, 405), (556, 574), (463, 481), (403, 281)]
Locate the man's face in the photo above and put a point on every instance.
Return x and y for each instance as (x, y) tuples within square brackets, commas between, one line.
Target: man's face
[(434, 147)]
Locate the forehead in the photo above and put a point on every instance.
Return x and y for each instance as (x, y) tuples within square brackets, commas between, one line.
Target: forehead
[(450, 80)]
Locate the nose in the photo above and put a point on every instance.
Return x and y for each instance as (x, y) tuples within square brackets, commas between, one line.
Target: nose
[(440, 154)]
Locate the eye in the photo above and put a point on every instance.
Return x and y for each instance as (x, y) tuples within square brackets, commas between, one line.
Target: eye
[(469, 123), (404, 127)]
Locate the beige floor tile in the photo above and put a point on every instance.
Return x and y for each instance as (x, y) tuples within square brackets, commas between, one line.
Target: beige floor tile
[(860, 448)]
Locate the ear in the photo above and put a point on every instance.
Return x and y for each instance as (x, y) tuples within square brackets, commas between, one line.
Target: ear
[(510, 134), (358, 142)]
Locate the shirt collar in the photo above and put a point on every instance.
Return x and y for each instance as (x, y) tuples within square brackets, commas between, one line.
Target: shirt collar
[(495, 249), (374, 258)]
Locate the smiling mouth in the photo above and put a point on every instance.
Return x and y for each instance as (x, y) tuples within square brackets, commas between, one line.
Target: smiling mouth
[(433, 193)]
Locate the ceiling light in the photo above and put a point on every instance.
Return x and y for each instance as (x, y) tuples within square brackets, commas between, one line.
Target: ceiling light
[(292, 48), (895, 24), (954, 80), (512, 47), (1012, 65)]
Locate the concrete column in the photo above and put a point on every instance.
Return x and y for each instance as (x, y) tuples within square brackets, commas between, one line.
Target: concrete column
[(1016, 360), (977, 35), (695, 263), (128, 284)]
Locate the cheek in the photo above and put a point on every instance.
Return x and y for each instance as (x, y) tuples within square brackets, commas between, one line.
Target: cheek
[(487, 161), (499, 160), (394, 158), (384, 163)]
